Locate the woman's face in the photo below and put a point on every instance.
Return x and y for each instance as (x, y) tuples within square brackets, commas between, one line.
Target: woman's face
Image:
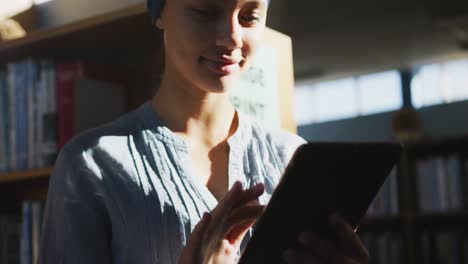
[(208, 43)]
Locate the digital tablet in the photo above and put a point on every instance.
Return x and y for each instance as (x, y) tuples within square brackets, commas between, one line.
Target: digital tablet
[(321, 178)]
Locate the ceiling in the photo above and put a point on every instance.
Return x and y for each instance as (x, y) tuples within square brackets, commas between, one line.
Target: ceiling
[(334, 37)]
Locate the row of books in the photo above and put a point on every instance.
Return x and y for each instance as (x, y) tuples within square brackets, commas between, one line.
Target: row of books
[(20, 236), (43, 104), (386, 201), (444, 248), (384, 248), (441, 183)]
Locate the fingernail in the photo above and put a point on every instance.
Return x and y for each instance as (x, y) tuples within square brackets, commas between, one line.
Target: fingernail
[(288, 255), (258, 187), (236, 186), (356, 229)]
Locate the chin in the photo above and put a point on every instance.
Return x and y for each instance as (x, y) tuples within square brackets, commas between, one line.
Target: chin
[(219, 84)]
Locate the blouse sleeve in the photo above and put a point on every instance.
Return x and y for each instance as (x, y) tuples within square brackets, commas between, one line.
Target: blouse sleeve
[(75, 226), (287, 144)]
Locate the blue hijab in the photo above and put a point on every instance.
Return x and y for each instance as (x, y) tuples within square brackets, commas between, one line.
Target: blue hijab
[(155, 6)]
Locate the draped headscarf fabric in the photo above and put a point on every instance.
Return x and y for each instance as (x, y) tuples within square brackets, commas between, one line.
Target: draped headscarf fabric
[(155, 7)]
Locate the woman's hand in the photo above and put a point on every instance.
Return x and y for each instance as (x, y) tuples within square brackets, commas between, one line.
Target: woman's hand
[(218, 235), (349, 248)]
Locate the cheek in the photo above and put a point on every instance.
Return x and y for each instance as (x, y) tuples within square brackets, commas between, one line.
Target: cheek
[(184, 45), (251, 43)]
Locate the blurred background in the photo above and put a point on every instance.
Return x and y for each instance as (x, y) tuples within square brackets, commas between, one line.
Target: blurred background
[(363, 71)]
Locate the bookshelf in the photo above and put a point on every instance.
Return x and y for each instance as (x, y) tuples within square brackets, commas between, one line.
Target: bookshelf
[(415, 223), (134, 47), (445, 219), (25, 175)]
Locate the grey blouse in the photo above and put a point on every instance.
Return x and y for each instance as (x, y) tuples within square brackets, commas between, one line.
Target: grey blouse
[(125, 192)]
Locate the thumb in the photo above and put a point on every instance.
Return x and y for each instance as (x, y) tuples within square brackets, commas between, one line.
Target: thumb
[(237, 234), (242, 220), (192, 250)]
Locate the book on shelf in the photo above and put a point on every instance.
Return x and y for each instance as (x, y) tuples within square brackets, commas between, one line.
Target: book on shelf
[(88, 95), (4, 130), (47, 114), (36, 225), (448, 247), (439, 181), (32, 78), (26, 234), (11, 83), (454, 183), (20, 114), (384, 248), (43, 104), (10, 238), (20, 236), (386, 201), (465, 183)]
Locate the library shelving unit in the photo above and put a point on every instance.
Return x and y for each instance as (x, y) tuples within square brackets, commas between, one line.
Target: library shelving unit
[(122, 38), (455, 220), (412, 220)]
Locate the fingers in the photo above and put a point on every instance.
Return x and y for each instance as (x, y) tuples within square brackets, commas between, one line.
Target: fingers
[(237, 207), (229, 200), (252, 193), (195, 241), (350, 241), (244, 214), (232, 218), (241, 219), (324, 249), (235, 198), (237, 233), (251, 210), (348, 249), (293, 257)]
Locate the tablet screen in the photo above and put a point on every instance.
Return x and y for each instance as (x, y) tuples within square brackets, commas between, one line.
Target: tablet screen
[(322, 178)]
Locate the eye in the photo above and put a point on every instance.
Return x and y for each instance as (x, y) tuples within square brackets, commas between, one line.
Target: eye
[(251, 19)]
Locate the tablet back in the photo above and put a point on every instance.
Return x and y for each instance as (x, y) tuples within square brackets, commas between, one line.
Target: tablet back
[(321, 178)]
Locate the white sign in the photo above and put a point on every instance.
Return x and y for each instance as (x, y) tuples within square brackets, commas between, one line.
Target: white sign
[(257, 92)]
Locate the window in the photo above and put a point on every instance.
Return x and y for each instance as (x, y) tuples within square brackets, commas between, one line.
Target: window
[(347, 98), (379, 92), (334, 100), (440, 83)]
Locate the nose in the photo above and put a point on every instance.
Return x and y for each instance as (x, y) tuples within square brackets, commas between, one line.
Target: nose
[(229, 33)]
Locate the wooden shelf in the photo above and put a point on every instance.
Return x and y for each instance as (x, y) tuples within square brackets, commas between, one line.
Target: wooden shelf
[(382, 223), (442, 220), (116, 34), (25, 175), (438, 147), (122, 38)]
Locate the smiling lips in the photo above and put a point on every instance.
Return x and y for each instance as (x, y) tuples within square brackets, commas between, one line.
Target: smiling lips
[(222, 66)]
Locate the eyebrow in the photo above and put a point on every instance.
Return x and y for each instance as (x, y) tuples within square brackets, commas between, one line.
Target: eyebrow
[(261, 3), (237, 3)]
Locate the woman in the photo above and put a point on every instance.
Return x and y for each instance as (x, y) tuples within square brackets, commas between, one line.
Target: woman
[(133, 191)]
